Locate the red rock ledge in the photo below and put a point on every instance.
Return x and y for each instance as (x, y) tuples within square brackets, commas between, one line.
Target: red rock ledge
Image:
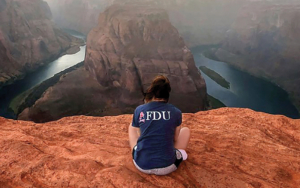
[(229, 148)]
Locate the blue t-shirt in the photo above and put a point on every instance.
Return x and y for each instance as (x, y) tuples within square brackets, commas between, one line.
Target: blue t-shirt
[(157, 122)]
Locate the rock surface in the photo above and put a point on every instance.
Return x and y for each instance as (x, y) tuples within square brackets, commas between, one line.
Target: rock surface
[(228, 148), (265, 41), (129, 47), (28, 38)]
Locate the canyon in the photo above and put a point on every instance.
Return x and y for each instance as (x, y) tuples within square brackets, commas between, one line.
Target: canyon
[(81, 16), (131, 45), (199, 22), (246, 31), (128, 44), (228, 148), (29, 39), (265, 41)]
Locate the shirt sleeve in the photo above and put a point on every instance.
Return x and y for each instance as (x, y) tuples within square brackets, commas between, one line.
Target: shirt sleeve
[(179, 121), (134, 119)]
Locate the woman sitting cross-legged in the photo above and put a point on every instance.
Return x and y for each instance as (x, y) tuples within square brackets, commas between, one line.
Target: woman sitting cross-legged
[(156, 138)]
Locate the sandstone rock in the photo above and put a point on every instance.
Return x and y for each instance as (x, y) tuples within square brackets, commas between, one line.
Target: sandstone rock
[(129, 47), (75, 93), (265, 41), (228, 148), (132, 44), (28, 38)]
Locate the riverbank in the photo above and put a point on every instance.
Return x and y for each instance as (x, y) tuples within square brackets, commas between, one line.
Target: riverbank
[(71, 56), (246, 90), (210, 53), (72, 49), (214, 103), (29, 97), (215, 76)]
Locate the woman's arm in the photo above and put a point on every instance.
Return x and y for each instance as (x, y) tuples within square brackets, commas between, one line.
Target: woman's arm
[(177, 131), (134, 134)]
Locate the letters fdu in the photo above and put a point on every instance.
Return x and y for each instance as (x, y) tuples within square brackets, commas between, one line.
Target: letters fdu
[(156, 115)]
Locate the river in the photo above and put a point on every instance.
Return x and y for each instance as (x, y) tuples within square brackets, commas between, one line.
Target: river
[(9, 92), (246, 91)]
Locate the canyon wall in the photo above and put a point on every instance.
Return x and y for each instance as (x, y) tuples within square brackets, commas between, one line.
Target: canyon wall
[(134, 43), (200, 22), (229, 147), (131, 44), (203, 22), (265, 41), (28, 38), (76, 15)]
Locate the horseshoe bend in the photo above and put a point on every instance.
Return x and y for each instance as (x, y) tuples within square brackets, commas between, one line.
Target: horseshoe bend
[(131, 44)]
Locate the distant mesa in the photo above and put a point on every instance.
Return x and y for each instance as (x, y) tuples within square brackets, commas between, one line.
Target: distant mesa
[(130, 46), (215, 77)]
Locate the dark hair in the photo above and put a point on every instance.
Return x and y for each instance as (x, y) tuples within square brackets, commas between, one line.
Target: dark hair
[(160, 88)]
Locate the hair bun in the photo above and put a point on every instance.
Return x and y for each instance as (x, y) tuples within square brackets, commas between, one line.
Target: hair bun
[(160, 88)]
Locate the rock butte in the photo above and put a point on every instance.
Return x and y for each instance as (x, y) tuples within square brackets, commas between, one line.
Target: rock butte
[(228, 148), (132, 44)]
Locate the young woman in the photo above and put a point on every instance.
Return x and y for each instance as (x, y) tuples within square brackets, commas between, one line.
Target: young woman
[(156, 131)]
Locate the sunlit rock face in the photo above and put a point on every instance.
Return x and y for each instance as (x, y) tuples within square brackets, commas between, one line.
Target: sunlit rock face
[(28, 38), (229, 147), (134, 43), (131, 45), (265, 41)]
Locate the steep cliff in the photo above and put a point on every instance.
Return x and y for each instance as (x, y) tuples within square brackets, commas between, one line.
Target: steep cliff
[(28, 38), (265, 41), (129, 47), (135, 43), (235, 148)]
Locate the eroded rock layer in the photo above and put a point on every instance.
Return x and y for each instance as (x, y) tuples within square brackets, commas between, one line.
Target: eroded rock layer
[(228, 148), (28, 38)]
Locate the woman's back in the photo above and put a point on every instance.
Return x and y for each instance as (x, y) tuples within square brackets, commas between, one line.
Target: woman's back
[(157, 122), (155, 130)]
